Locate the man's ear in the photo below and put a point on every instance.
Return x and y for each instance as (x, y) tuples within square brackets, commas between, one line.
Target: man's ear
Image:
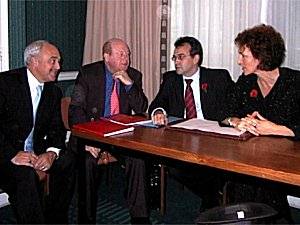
[(105, 56), (196, 59), (34, 61)]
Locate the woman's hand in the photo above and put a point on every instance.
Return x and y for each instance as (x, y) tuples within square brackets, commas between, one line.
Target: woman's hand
[(247, 124), (258, 125)]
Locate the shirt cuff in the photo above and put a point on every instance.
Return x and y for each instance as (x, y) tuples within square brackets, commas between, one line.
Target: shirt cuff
[(128, 87), (55, 150), (161, 109)]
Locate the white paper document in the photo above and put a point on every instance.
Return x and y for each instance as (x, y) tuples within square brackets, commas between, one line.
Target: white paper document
[(208, 126), (294, 201)]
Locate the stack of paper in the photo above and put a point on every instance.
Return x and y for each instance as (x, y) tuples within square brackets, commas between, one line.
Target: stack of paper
[(210, 127)]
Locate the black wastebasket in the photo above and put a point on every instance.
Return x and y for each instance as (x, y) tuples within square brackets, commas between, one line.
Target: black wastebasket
[(243, 213)]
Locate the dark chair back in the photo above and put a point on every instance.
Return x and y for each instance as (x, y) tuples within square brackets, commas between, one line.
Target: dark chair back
[(243, 213)]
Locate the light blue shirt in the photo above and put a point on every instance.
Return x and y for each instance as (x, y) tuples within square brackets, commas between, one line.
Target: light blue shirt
[(35, 99)]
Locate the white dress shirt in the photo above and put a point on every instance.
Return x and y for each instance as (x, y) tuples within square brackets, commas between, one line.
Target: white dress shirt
[(196, 92), (33, 85)]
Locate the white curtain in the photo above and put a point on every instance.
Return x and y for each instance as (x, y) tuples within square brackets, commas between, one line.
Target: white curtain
[(137, 23), (216, 23)]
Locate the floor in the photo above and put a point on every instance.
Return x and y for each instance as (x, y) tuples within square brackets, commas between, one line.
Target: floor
[(182, 205)]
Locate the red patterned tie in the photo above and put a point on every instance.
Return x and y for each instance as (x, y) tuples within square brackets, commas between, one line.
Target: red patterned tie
[(114, 100), (189, 100)]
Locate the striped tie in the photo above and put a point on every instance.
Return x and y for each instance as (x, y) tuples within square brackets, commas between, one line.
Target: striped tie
[(189, 100), (114, 100)]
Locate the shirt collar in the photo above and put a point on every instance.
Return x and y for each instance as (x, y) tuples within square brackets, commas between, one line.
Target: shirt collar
[(195, 76), (33, 82)]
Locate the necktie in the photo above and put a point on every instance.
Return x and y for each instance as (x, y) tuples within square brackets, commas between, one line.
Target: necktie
[(189, 100), (114, 100), (35, 103)]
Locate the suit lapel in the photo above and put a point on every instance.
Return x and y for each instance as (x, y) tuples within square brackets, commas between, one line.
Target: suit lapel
[(180, 87), (203, 95), (25, 97), (98, 84), (179, 97), (42, 106)]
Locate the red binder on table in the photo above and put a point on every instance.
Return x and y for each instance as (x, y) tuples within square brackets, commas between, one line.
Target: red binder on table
[(127, 119), (103, 127)]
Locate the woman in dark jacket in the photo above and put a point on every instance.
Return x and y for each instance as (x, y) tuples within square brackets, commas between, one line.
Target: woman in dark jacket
[(264, 101)]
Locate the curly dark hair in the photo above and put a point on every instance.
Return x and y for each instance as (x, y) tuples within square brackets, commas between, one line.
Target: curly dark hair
[(196, 47), (265, 44)]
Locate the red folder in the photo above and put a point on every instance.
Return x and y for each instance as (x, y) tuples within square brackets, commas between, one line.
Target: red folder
[(127, 119), (103, 128)]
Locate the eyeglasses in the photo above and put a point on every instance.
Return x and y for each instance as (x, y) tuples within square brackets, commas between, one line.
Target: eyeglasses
[(122, 54), (179, 57)]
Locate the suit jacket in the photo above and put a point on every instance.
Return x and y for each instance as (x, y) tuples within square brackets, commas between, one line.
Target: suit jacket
[(16, 116), (214, 84), (89, 94)]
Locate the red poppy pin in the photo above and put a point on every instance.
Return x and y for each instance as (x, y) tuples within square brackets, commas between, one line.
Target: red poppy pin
[(253, 93), (204, 87)]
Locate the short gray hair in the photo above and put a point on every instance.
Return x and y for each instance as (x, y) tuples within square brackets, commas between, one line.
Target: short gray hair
[(33, 50)]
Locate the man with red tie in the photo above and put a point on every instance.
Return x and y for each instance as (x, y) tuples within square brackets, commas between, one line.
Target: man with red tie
[(192, 91), (102, 89)]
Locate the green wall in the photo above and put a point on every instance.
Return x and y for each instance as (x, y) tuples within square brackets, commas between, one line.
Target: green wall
[(60, 22)]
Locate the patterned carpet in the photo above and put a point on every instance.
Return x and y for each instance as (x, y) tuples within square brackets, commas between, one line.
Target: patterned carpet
[(182, 205)]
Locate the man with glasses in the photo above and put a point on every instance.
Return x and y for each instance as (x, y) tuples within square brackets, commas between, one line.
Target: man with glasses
[(192, 91), (102, 89)]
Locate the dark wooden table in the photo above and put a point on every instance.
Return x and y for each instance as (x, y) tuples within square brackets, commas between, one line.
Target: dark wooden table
[(271, 158)]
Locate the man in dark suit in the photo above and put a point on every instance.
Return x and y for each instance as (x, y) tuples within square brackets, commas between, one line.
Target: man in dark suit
[(92, 99), (32, 138), (209, 88)]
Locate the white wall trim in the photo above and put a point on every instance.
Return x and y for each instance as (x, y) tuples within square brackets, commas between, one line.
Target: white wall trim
[(4, 50), (67, 75)]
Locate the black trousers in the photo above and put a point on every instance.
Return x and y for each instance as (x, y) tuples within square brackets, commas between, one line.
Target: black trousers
[(26, 193), (136, 193)]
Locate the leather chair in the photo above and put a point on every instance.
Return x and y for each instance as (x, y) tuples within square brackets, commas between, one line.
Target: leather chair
[(44, 177), (65, 102)]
